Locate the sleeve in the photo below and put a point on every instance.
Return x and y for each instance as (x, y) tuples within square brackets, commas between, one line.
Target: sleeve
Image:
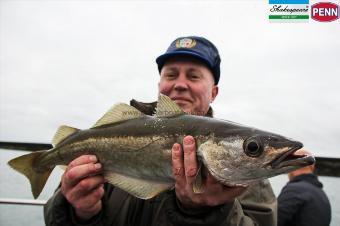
[(59, 212), (289, 202), (259, 203)]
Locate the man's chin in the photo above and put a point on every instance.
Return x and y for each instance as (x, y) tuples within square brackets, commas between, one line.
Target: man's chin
[(181, 103), (185, 106)]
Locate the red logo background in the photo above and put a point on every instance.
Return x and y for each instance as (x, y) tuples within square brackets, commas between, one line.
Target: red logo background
[(319, 15)]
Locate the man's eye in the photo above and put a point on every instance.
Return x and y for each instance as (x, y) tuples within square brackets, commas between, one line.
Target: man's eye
[(169, 75), (194, 76)]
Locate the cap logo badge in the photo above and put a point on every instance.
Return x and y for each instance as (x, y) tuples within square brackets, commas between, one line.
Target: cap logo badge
[(185, 43)]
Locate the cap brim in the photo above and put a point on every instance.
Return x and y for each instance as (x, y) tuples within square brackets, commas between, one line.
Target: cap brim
[(162, 58)]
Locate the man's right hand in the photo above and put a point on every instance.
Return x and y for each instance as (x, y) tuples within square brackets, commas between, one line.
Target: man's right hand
[(82, 184)]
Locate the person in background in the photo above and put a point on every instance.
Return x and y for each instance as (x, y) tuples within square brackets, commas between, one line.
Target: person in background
[(189, 75), (302, 201)]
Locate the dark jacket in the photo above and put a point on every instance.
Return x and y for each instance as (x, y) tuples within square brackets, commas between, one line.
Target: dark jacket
[(257, 206), (303, 202)]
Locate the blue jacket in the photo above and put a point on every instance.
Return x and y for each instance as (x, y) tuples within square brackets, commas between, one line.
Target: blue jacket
[(303, 202)]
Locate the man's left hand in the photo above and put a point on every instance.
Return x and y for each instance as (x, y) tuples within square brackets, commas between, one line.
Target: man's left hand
[(185, 168)]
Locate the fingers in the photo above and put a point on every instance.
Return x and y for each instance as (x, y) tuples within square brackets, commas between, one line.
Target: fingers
[(84, 159), (85, 187), (177, 161), (184, 167), (82, 185), (84, 214), (89, 205), (80, 168), (190, 159), (86, 203)]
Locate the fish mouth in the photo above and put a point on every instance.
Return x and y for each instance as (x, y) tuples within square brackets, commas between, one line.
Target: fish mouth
[(289, 158)]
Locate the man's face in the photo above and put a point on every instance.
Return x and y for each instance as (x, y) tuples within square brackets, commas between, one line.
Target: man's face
[(189, 83)]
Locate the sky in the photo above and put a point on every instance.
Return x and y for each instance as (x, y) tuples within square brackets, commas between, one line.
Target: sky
[(68, 62)]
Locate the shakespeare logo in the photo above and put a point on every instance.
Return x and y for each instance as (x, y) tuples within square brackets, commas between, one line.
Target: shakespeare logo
[(288, 10)]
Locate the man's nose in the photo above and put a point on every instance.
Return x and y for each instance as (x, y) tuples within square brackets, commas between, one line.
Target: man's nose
[(181, 84)]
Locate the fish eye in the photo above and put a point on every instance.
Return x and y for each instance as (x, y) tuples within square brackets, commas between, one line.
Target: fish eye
[(252, 147)]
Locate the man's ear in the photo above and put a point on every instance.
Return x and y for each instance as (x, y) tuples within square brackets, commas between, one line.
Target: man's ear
[(214, 92)]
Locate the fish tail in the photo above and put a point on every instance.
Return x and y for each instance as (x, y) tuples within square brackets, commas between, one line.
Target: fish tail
[(25, 165)]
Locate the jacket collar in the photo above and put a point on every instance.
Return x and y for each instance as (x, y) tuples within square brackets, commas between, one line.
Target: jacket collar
[(310, 178)]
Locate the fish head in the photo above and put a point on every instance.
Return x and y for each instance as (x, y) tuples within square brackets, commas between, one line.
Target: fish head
[(242, 159)]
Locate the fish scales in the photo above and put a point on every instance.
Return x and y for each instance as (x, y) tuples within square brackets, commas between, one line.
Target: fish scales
[(122, 152), (135, 150)]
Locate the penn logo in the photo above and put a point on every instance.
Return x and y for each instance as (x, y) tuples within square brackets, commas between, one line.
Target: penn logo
[(325, 11)]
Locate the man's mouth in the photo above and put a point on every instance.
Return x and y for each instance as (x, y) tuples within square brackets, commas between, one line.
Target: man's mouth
[(181, 99)]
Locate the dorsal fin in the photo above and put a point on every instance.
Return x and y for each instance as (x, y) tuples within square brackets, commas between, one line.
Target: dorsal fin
[(118, 113), (146, 108), (167, 108), (62, 133)]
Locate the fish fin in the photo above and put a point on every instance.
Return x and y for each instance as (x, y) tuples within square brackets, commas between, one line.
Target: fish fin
[(167, 108), (63, 167), (139, 188), (146, 108), (62, 133), (25, 165), (198, 186), (118, 113)]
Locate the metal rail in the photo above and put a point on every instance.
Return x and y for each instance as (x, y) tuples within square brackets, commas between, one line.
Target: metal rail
[(30, 202), (327, 166), (21, 146)]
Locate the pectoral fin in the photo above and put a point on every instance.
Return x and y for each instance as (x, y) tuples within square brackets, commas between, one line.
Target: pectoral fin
[(137, 187), (63, 167), (198, 186)]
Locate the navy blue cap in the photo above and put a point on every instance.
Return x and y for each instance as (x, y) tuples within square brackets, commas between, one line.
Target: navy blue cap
[(197, 47)]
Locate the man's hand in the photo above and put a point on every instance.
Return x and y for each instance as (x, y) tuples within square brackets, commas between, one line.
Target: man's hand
[(185, 169), (82, 186)]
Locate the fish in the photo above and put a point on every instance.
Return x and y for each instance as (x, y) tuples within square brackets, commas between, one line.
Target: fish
[(135, 150)]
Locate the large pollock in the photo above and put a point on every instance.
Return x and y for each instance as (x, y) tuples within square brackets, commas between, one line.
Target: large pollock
[(135, 150)]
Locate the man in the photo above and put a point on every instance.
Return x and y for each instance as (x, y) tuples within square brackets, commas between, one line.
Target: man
[(189, 74), (302, 201)]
